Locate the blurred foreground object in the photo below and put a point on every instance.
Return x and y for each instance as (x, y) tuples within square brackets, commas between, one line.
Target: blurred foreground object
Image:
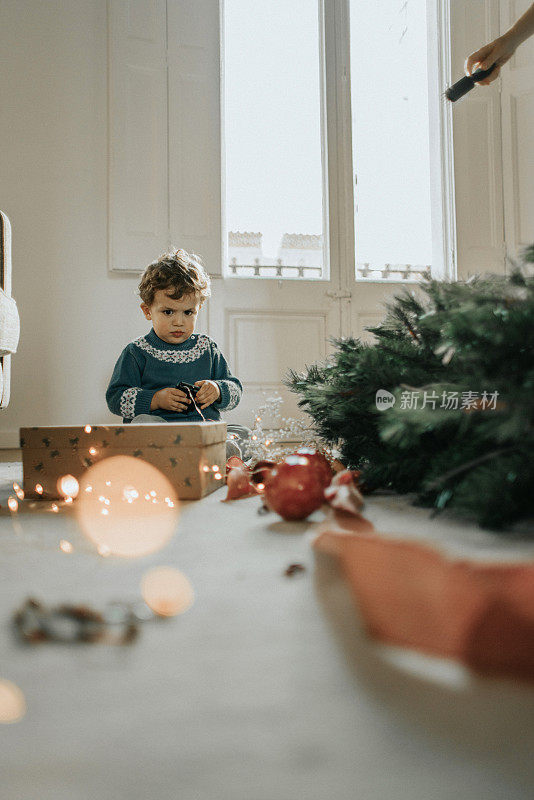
[(35, 622), (411, 595), (127, 507)]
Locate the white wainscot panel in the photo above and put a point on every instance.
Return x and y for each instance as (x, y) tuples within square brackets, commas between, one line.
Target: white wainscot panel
[(367, 321), (265, 346)]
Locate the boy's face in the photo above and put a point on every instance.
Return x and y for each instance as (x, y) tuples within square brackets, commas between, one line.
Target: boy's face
[(173, 320)]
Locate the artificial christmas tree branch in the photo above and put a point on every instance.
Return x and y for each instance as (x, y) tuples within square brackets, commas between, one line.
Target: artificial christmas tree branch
[(469, 342)]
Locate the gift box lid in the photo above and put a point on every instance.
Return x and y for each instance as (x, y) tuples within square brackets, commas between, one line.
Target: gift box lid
[(158, 434)]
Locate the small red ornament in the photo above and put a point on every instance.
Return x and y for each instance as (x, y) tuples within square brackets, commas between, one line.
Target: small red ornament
[(293, 488), (235, 461), (343, 493), (261, 471), (238, 484), (319, 462)]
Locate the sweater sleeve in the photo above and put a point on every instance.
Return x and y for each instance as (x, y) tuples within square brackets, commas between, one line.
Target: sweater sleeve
[(124, 395), (230, 387)]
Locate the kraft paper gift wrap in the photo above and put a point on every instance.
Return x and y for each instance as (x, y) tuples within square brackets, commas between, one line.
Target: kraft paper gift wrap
[(179, 451)]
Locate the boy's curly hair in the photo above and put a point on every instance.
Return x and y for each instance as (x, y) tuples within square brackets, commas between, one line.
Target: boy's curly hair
[(183, 272)]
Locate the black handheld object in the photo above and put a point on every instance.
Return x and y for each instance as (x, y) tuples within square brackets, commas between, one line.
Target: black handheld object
[(464, 85), (191, 392)]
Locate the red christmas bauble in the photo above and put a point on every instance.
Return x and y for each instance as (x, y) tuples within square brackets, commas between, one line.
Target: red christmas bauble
[(320, 464), (293, 488)]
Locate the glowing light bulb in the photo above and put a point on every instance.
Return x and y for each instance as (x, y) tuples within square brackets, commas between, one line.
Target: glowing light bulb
[(130, 494), (54, 507), (167, 591), (215, 468), (260, 487), (93, 451), (88, 429), (124, 528), (205, 468), (13, 503), (18, 491), (66, 546), (217, 476), (38, 488), (12, 702), (254, 437), (68, 499), (68, 486)]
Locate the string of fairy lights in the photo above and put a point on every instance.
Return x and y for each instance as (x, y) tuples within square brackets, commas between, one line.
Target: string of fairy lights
[(273, 435)]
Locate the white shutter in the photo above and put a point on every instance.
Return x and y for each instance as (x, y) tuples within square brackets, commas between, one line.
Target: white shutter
[(138, 146), (195, 175), (518, 126), (165, 131), (477, 146)]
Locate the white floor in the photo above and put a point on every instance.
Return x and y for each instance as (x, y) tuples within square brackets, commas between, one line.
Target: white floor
[(266, 689)]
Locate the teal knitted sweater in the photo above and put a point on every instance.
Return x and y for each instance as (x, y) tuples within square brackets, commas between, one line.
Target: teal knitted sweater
[(148, 364)]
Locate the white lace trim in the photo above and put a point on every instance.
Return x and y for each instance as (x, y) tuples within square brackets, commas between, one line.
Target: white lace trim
[(175, 356), (127, 402), (235, 395)]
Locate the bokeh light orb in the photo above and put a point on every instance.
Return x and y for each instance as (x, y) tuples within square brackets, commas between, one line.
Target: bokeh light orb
[(131, 510), (167, 591), (12, 702), (68, 486)]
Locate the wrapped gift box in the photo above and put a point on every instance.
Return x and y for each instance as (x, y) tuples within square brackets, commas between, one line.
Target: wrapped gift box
[(179, 451)]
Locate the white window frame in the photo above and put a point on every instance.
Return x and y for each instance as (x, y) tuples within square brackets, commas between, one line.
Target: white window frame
[(339, 136), (324, 116)]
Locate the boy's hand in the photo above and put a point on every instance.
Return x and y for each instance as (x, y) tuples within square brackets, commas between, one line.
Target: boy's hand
[(209, 392), (170, 399)]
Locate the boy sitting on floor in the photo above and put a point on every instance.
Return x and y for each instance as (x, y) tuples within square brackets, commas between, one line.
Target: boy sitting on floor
[(143, 385)]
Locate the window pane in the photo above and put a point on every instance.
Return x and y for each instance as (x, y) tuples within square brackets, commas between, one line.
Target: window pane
[(272, 116), (390, 128)]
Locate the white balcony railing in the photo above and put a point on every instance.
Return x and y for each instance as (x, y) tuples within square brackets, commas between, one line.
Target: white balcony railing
[(364, 271)]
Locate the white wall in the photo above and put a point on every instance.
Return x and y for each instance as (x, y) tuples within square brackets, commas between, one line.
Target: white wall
[(75, 316)]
